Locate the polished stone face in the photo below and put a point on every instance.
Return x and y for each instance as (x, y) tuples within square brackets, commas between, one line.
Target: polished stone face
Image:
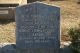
[(38, 26)]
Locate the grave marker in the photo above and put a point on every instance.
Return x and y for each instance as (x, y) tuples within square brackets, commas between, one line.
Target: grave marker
[(38, 28)]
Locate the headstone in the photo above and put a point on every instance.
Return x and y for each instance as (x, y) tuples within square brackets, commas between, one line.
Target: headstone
[(37, 28)]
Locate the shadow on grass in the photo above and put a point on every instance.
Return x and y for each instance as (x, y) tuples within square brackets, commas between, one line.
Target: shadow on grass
[(12, 49), (5, 21), (66, 49), (78, 2), (8, 49)]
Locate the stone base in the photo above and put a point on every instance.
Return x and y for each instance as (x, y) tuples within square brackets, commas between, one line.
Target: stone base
[(7, 48), (38, 50), (11, 48)]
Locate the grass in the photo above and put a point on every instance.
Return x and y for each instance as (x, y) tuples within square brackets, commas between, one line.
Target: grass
[(7, 31), (70, 17)]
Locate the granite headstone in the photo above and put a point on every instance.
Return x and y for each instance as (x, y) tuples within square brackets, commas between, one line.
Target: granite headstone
[(38, 28)]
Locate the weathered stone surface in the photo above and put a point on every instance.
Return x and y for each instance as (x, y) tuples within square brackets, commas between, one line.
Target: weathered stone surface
[(38, 27)]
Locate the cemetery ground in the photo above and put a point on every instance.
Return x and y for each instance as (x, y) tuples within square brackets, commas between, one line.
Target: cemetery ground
[(70, 17)]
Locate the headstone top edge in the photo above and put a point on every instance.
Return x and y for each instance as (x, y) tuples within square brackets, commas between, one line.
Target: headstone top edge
[(38, 2)]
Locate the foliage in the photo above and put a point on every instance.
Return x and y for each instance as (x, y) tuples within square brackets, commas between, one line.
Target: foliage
[(75, 39)]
